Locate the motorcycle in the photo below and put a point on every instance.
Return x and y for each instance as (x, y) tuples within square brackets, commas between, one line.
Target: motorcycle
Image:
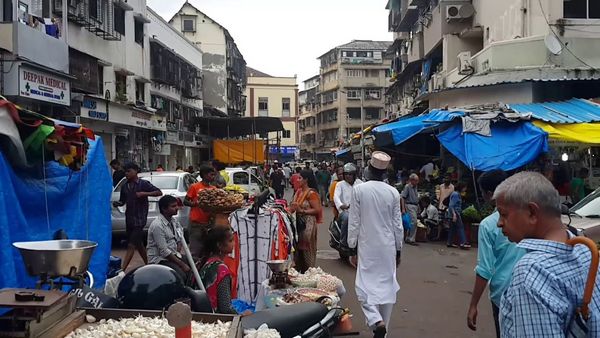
[(338, 236)]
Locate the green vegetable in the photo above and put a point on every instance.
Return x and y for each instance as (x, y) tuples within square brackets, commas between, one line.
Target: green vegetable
[(471, 214)]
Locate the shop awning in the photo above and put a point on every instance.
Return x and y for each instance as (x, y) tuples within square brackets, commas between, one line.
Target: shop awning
[(571, 111), (576, 132), (222, 127), (399, 131), (511, 145), (342, 152)]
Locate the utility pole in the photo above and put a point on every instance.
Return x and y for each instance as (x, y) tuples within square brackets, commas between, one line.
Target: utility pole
[(362, 126)]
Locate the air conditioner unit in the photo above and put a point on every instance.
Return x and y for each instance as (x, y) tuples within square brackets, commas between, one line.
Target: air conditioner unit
[(459, 12), (464, 63)]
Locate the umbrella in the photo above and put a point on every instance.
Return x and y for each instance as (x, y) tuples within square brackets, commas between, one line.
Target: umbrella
[(578, 327)]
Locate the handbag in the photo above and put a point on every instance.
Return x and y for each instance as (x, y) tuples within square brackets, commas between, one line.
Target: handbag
[(300, 223)]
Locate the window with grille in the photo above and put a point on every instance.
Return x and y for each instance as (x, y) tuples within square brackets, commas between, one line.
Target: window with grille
[(263, 106), (286, 134), (188, 24), (285, 107), (581, 9), (139, 32), (119, 20)]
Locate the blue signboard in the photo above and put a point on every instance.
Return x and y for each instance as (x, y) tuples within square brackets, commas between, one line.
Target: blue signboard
[(283, 150)]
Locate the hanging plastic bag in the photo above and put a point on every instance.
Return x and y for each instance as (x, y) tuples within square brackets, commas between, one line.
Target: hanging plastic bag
[(406, 221)]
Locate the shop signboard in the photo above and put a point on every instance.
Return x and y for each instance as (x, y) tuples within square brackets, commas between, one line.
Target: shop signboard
[(140, 119), (285, 150), (94, 109), (44, 86), (165, 149)]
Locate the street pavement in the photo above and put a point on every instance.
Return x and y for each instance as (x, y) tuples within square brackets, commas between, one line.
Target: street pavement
[(435, 282)]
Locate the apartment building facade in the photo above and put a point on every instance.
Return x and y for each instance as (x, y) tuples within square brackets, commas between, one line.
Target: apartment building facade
[(353, 79), (471, 52), (223, 63), (275, 97), (115, 66), (309, 103), (176, 94)]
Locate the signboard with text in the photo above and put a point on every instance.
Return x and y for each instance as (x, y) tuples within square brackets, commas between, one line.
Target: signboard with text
[(43, 86), (94, 109)]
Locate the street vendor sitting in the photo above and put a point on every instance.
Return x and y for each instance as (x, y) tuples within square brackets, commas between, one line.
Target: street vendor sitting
[(165, 236), (215, 275)]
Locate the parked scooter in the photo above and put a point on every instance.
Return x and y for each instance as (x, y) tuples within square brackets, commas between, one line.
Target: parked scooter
[(338, 236)]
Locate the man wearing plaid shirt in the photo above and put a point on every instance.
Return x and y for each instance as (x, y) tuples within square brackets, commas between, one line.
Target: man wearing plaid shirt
[(548, 282)]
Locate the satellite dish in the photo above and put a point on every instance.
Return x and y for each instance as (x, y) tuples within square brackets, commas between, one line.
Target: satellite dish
[(553, 44)]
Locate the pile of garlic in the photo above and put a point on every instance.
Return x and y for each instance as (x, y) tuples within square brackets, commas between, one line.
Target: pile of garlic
[(262, 332), (145, 327)]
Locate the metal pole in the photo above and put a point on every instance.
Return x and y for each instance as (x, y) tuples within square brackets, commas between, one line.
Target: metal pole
[(362, 126)]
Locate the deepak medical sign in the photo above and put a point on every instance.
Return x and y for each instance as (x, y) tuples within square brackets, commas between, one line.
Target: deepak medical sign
[(43, 86)]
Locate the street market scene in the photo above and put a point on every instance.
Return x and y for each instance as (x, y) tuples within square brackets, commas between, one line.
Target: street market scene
[(416, 168)]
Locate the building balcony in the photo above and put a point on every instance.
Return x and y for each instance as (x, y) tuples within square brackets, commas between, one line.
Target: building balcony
[(34, 45), (364, 82), (416, 50), (328, 69), (505, 56), (331, 85)]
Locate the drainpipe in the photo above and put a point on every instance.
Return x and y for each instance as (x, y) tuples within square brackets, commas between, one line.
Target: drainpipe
[(65, 22)]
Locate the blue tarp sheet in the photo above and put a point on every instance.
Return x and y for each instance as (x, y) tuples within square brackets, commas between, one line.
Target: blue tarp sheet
[(512, 145), (404, 129), (78, 202), (342, 152)]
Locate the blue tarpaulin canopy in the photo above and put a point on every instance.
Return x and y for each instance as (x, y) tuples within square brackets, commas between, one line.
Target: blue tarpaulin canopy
[(512, 145), (402, 130), (342, 152), (32, 209)]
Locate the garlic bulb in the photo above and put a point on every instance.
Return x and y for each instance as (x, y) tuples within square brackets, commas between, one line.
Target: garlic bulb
[(142, 327), (262, 332)]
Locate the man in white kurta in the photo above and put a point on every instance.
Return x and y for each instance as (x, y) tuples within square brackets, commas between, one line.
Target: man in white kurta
[(375, 229)]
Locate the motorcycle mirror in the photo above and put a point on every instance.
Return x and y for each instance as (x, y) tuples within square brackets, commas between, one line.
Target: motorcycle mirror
[(564, 209)]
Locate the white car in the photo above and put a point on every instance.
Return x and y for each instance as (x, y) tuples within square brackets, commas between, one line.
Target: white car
[(245, 179), (585, 216), (170, 183)]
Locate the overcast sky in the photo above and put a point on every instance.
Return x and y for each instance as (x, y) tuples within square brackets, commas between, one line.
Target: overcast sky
[(284, 37)]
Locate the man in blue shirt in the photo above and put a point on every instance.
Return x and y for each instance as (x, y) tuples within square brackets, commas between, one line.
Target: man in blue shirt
[(496, 255), (548, 282)]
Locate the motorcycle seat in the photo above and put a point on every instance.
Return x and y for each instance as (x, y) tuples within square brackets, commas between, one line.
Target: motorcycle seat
[(290, 320)]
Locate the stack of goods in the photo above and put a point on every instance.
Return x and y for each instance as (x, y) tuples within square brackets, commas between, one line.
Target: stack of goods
[(34, 137), (315, 278), (147, 327), (219, 200)]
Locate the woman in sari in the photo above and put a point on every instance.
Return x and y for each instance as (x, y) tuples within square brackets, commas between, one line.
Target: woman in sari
[(215, 275), (309, 212)]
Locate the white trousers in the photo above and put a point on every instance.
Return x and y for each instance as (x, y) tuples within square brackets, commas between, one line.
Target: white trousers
[(376, 313)]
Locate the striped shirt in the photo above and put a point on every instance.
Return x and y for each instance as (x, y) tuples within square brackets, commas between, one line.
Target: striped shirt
[(546, 288)]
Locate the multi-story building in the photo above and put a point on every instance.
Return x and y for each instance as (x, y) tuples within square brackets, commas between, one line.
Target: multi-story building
[(176, 94), (223, 64), (352, 84), (309, 103), (275, 97), (470, 52), (34, 59)]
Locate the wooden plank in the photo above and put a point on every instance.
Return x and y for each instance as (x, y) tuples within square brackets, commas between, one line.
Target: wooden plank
[(7, 298), (65, 326)]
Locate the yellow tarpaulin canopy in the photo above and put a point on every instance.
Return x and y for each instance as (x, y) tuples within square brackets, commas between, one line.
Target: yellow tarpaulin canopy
[(579, 132), (234, 152)]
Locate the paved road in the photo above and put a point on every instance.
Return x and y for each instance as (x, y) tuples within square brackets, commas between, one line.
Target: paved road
[(435, 283)]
